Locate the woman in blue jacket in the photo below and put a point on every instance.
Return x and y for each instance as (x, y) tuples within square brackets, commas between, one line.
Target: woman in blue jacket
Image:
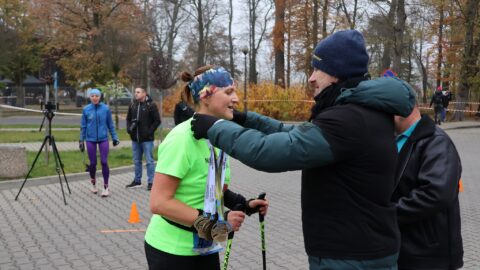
[(94, 128)]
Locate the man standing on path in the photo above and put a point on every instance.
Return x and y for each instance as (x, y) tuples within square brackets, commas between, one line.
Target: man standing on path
[(346, 152), (426, 197), (142, 121)]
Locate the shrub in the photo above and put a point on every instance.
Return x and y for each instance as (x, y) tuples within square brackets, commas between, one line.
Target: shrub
[(291, 104)]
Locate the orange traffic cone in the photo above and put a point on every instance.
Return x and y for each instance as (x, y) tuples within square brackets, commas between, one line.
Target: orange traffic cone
[(460, 185), (134, 216)]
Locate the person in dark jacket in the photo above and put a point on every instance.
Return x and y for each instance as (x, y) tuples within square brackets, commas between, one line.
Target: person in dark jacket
[(346, 152), (447, 97), (95, 125), (437, 102), (142, 121), (182, 112), (426, 198)]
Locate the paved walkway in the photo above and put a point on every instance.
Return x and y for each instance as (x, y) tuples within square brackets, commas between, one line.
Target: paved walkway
[(39, 232)]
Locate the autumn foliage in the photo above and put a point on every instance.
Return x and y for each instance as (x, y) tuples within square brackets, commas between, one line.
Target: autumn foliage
[(290, 104)]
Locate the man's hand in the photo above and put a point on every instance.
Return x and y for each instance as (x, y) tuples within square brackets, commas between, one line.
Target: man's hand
[(257, 205), (116, 142), (201, 123), (81, 146), (235, 218)]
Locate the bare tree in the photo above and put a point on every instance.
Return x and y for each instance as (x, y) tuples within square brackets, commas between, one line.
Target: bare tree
[(441, 23), (230, 38), (388, 45), (279, 42), (255, 39), (351, 18), (324, 17), (205, 13), (399, 30)]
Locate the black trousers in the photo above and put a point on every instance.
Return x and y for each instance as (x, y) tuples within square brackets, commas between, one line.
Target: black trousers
[(159, 260)]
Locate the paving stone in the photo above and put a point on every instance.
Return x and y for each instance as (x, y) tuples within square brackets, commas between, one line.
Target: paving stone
[(40, 231)]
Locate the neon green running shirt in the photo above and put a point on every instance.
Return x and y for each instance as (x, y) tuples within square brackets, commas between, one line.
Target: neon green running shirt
[(182, 156)]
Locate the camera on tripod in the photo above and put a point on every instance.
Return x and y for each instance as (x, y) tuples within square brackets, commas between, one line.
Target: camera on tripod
[(50, 106), (48, 110)]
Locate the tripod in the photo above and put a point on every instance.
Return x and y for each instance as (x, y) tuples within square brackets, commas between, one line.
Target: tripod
[(49, 114)]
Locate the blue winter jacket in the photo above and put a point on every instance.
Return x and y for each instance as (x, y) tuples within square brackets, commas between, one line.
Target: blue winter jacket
[(96, 122)]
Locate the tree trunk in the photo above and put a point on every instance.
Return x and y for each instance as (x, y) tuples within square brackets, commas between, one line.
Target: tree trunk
[(230, 38), (20, 93), (279, 43), (201, 37), (467, 69), (315, 22), (440, 45), (352, 20), (253, 51), (410, 65), (399, 32), (172, 34), (324, 18), (289, 36), (388, 43)]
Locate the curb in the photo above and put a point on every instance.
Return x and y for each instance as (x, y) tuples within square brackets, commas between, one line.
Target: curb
[(462, 127), (51, 179)]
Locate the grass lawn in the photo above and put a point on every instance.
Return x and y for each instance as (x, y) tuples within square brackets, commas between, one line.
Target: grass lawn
[(73, 161), (37, 126), (59, 135)]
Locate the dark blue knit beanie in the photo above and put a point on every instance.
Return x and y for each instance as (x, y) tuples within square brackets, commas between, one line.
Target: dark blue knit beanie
[(342, 55)]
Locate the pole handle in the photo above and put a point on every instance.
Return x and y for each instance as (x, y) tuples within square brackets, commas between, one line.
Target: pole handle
[(262, 195)]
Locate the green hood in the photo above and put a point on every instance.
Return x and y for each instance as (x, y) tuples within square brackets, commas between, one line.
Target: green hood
[(387, 94)]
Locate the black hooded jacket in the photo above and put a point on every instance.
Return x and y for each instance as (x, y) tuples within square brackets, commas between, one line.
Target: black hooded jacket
[(142, 120), (426, 198)]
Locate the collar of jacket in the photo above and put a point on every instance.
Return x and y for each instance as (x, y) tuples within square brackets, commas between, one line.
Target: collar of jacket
[(386, 94), (148, 99), (327, 97), (425, 128)]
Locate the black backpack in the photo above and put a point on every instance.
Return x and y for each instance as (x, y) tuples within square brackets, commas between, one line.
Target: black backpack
[(438, 99)]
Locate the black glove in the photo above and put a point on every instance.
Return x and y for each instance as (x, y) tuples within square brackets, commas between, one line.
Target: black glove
[(81, 146), (239, 117), (201, 123), (249, 210), (116, 142)]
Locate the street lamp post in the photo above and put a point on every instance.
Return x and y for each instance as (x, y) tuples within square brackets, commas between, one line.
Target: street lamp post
[(245, 52)]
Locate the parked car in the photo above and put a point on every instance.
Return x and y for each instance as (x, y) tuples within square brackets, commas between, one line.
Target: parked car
[(124, 98)]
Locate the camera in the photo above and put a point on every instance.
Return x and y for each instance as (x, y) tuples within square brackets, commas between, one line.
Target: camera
[(133, 126), (50, 106)]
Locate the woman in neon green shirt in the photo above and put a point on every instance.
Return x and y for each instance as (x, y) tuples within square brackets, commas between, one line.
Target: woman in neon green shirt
[(187, 221)]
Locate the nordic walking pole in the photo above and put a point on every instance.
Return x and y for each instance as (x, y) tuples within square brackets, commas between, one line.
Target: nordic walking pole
[(261, 218), (238, 207)]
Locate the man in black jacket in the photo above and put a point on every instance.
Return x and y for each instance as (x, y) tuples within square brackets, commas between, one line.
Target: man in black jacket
[(346, 152), (142, 121), (426, 197)]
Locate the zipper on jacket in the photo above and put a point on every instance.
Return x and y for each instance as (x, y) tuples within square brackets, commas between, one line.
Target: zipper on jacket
[(96, 119), (138, 126)]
